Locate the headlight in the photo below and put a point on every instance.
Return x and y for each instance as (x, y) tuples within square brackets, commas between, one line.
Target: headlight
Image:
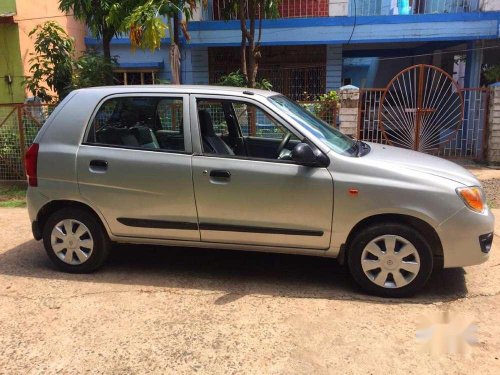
[(472, 197)]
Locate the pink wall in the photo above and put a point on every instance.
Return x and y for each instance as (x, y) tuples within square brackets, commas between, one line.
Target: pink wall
[(33, 12)]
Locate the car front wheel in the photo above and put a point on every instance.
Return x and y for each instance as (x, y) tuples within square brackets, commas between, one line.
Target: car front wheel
[(390, 259)]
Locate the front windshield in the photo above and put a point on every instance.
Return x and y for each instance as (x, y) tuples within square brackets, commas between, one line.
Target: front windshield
[(333, 138)]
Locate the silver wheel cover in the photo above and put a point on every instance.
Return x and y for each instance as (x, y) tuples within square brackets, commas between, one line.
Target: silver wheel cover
[(72, 242), (390, 261)]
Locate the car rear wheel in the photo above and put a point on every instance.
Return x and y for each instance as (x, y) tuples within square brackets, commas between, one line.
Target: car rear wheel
[(390, 259), (75, 240)]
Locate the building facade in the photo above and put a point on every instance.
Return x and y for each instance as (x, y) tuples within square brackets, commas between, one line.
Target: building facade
[(17, 19), (319, 45)]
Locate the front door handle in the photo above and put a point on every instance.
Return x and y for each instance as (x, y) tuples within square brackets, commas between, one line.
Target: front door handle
[(98, 166), (217, 173)]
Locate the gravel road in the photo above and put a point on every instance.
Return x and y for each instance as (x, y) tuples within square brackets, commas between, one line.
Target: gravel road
[(168, 310)]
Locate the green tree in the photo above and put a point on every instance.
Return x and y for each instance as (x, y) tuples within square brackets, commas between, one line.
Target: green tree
[(51, 66), (91, 69), (249, 12), (491, 73), (54, 66), (146, 27), (95, 14)]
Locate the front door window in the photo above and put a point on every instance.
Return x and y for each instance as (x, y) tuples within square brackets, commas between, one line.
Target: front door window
[(242, 129)]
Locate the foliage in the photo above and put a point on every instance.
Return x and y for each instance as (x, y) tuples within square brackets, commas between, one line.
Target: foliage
[(324, 107), (9, 143), (93, 12), (55, 67), (96, 15), (91, 69), (264, 84), (330, 96), (144, 21), (236, 79), (145, 26), (51, 64), (247, 12), (10, 151), (491, 73)]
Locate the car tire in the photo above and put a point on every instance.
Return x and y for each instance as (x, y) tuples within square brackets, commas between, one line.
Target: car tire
[(75, 240), (390, 260)]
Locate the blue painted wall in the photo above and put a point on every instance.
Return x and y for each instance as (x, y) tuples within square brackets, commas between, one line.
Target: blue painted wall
[(362, 71), (200, 65), (195, 65), (332, 31), (333, 67), (338, 30)]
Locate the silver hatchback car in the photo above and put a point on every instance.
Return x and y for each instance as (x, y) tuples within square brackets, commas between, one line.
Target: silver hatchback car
[(242, 169)]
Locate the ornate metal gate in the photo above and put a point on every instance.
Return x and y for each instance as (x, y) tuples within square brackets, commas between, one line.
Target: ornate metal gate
[(423, 108)]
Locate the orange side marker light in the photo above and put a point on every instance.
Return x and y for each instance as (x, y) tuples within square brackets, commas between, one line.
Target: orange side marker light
[(353, 192)]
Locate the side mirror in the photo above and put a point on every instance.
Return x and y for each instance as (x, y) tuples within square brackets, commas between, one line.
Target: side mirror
[(303, 154)]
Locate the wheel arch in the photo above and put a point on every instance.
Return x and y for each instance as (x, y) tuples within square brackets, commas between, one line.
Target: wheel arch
[(420, 225), (56, 205)]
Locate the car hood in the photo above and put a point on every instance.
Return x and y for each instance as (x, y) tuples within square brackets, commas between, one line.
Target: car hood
[(418, 161)]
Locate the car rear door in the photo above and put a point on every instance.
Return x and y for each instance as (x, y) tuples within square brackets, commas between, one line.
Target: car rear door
[(258, 201), (134, 166)]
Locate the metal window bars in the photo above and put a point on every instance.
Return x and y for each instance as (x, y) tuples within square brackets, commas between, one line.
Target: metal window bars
[(383, 7), (218, 10)]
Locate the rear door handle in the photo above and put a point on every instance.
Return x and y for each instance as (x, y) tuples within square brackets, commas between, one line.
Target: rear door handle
[(217, 173), (98, 166)]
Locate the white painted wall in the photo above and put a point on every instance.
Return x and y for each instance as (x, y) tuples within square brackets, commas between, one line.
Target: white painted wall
[(490, 5), (197, 13), (337, 8)]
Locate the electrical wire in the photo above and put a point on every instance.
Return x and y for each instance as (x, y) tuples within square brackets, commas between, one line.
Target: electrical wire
[(354, 23), (41, 18), (458, 51), (441, 52)]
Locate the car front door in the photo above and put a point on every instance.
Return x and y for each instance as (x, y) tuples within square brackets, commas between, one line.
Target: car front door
[(134, 166), (244, 199)]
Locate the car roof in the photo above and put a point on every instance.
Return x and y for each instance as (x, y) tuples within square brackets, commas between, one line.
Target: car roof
[(181, 89)]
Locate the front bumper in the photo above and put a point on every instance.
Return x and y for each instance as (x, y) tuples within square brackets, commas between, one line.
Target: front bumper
[(465, 236)]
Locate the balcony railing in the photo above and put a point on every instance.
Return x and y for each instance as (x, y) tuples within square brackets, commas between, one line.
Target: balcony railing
[(217, 9), (404, 7)]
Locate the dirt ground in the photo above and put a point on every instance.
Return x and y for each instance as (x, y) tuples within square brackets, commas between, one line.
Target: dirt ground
[(490, 179), (165, 310)]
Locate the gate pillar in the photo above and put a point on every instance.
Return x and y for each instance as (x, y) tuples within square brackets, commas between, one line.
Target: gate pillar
[(494, 125), (348, 114)]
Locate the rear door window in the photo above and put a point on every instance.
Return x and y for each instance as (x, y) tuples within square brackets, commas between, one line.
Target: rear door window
[(143, 122)]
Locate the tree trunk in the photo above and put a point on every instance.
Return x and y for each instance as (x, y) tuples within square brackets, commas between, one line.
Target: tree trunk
[(243, 47), (252, 68), (176, 76), (106, 51), (176, 28)]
